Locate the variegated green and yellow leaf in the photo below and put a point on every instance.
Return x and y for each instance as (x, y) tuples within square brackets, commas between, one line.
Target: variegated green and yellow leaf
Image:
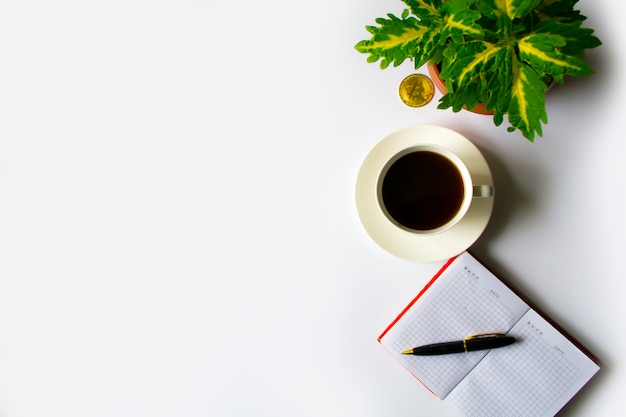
[(460, 22), (467, 60), (560, 10), (425, 10), (575, 38), (541, 51), (396, 40), (516, 8), (468, 71), (500, 83), (526, 108)]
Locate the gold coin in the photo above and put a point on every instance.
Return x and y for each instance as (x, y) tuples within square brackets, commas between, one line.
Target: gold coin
[(416, 90)]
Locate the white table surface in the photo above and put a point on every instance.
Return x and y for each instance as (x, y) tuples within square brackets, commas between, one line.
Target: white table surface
[(178, 233)]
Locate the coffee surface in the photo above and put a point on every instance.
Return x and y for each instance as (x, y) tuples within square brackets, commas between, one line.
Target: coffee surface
[(422, 190)]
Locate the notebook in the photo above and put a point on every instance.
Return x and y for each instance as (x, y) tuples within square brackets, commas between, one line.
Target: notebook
[(535, 376)]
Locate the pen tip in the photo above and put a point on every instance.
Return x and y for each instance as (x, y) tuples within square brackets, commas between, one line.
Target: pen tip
[(408, 352)]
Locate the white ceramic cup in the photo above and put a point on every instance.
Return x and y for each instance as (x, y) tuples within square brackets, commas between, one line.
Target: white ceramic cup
[(427, 189)]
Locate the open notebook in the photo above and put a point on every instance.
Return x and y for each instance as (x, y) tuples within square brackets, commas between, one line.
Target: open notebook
[(535, 376)]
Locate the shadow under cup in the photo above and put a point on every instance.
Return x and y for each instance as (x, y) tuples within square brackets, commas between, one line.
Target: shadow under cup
[(426, 189)]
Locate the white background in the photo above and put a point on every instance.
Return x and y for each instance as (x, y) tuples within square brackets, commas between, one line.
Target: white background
[(178, 234)]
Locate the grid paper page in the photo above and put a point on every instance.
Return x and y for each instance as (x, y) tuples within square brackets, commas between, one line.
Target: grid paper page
[(463, 302), (534, 377)]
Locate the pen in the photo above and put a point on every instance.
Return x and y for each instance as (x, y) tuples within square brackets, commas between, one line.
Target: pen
[(469, 344)]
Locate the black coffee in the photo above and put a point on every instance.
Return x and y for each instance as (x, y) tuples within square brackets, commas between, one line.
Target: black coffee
[(422, 190)]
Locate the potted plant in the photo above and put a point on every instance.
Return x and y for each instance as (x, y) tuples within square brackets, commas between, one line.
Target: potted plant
[(502, 53)]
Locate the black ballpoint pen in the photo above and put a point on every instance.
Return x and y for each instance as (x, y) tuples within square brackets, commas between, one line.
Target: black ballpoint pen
[(469, 344)]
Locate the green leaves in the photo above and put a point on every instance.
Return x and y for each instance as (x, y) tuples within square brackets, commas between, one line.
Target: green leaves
[(527, 106), (459, 22), (427, 11), (542, 52), (561, 10), (497, 52), (396, 40), (571, 38), (516, 8), (473, 73), (479, 71)]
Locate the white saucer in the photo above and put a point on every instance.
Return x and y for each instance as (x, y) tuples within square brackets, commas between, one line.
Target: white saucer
[(413, 246)]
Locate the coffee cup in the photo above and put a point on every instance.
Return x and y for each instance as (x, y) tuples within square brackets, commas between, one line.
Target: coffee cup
[(424, 193), (427, 189)]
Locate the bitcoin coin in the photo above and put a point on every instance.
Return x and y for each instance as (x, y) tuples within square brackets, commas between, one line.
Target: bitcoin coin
[(416, 90)]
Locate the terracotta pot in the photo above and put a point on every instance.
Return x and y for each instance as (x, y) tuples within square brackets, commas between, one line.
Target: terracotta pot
[(441, 86)]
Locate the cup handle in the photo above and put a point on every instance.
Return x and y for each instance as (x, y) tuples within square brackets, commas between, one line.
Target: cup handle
[(483, 191)]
